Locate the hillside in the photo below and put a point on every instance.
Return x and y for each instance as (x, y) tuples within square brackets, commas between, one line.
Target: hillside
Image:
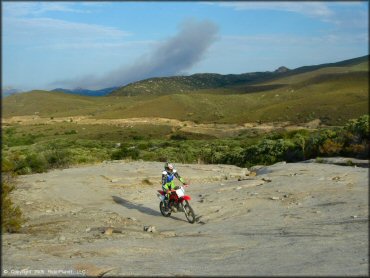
[(182, 84), (332, 93)]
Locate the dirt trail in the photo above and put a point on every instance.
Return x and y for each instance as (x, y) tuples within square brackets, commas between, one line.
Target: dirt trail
[(218, 130), (289, 219)]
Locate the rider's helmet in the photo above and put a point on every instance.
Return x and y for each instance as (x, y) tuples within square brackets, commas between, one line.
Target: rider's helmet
[(168, 167)]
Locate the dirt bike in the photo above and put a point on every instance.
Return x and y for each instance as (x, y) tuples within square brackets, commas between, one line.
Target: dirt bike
[(178, 201)]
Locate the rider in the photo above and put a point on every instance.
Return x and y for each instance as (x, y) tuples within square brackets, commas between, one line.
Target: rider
[(167, 181)]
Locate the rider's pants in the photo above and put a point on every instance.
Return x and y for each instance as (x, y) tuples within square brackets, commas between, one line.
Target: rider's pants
[(167, 186)]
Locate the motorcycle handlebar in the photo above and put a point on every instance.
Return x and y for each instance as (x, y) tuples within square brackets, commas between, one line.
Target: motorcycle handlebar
[(174, 190)]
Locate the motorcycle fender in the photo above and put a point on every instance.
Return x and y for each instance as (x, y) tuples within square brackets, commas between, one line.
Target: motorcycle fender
[(187, 198)]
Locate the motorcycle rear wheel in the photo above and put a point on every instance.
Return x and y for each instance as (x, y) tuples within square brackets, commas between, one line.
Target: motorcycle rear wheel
[(164, 213), (189, 212)]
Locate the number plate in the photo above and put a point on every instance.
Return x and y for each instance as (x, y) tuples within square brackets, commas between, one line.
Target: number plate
[(180, 192)]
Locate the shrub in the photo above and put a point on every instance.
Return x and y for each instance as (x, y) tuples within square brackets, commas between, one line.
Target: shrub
[(37, 162), (178, 136), (12, 218), (70, 132), (330, 148), (126, 152), (57, 158), (359, 127), (267, 152)]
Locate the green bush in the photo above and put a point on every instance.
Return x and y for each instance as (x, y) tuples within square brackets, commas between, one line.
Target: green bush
[(267, 152), (178, 136), (70, 132), (37, 162), (126, 152), (12, 218), (57, 158), (359, 127)]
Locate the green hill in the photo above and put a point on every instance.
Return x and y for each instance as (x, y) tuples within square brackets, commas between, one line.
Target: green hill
[(333, 93), (186, 84), (183, 84)]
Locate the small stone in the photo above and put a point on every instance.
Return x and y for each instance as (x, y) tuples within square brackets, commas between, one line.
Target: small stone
[(354, 216), (29, 203), (41, 181), (108, 231), (88, 230), (114, 180), (48, 211), (238, 188), (267, 179), (286, 195), (252, 174), (62, 238), (149, 229), (274, 198), (132, 218)]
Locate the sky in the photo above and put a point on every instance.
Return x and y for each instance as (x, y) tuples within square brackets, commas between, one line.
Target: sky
[(95, 45)]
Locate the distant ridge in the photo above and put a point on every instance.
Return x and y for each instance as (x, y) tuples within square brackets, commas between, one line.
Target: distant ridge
[(86, 92), (7, 91), (202, 81)]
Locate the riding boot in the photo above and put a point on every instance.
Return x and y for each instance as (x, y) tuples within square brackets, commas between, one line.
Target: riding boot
[(166, 208)]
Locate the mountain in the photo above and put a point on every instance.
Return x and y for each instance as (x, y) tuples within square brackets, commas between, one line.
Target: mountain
[(86, 92), (282, 69), (7, 91)]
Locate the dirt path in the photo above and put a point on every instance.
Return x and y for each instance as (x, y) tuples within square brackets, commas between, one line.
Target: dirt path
[(290, 219), (218, 130)]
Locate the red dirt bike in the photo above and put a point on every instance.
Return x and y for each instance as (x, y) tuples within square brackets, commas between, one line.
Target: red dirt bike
[(178, 201)]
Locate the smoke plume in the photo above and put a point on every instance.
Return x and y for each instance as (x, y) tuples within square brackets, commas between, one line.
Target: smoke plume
[(171, 57)]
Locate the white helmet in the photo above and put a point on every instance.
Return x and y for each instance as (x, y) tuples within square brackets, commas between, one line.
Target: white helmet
[(168, 166)]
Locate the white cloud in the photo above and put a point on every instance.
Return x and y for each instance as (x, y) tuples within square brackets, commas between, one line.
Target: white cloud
[(96, 45), (317, 9), (48, 30), (280, 40), (37, 8), (325, 11)]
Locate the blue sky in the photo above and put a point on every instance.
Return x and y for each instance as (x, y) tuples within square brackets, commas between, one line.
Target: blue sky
[(102, 44)]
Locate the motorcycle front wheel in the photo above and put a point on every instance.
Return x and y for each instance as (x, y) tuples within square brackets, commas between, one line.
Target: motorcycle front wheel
[(164, 213), (189, 212)]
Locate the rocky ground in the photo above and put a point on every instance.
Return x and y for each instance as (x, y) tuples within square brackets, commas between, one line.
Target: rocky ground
[(285, 219)]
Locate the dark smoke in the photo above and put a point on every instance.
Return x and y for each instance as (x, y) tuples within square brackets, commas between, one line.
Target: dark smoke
[(172, 57)]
